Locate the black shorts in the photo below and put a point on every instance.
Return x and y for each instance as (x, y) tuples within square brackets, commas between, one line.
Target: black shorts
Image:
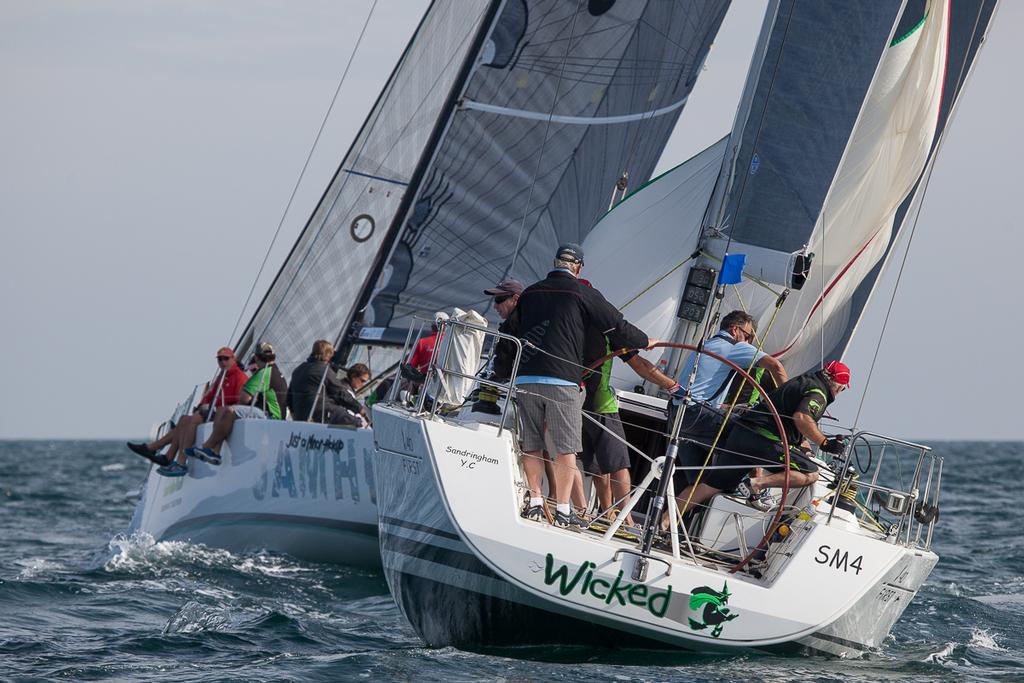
[(697, 433), (745, 450), (602, 452)]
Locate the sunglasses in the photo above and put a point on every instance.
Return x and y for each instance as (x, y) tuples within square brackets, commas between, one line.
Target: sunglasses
[(223, 358), (502, 299)]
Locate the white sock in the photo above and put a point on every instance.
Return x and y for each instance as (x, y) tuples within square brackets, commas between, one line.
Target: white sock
[(536, 501), (563, 508)]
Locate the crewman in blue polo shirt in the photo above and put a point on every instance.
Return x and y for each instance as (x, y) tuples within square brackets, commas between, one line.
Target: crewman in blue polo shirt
[(702, 421)]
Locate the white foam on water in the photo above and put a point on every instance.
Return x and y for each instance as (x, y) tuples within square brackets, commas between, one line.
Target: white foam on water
[(35, 566), (270, 565), (983, 640), (140, 552), (113, 467), (942, 655)]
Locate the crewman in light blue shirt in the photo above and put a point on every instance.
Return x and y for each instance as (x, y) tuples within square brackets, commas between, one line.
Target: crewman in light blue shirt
[(701, 421)]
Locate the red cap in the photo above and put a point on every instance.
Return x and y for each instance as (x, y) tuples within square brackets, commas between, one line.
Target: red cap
[(839, 372), (225, 351)]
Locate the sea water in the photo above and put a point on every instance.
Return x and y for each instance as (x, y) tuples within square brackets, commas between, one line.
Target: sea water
[(80, 601)]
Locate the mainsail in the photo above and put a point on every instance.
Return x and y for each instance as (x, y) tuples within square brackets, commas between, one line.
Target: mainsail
[(565, 100), (314, 293)]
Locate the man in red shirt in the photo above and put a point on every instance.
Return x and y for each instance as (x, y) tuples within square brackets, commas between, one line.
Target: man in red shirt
[(420, 357), (223, 390)]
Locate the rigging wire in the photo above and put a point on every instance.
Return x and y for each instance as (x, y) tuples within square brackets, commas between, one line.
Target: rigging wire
[(960, 83), (302, 173), (544, 140)]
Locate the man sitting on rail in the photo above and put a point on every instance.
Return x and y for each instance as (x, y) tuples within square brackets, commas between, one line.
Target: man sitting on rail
[(755, 440), (223, 390), (262, 397)]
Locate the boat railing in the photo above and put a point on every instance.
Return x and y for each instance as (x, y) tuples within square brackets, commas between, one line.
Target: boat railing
[(183, 408), (906, 511), (440, 368)]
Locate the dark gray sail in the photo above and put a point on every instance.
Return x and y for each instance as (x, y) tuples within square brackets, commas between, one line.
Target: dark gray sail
[(315, 291), (802, 100), (873, 188), (566, 100)]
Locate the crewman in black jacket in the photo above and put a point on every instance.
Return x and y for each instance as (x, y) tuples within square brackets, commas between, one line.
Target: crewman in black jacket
[(315, 393), (755, 440), (554, 315)]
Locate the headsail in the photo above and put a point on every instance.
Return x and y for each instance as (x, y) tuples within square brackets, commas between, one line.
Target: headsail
[(919, 78), (565, 100), (313, 295)]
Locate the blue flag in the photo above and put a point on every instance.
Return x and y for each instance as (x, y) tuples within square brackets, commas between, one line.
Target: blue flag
[(732, 269)]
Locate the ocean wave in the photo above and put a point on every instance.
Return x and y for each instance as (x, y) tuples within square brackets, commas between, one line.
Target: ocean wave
[(983, 640), (141, 553)]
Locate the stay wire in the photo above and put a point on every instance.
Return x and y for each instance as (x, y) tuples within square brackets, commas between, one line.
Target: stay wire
[(302, 173), (544, 140)]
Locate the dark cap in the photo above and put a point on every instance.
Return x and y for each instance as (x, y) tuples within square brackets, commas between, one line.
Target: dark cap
[(570, 251), (264, 351), (509, 285)]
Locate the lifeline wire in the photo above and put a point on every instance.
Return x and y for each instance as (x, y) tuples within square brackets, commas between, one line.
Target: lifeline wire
[(302, 173)]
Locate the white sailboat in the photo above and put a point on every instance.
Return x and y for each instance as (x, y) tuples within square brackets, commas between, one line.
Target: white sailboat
[(844, 111), (459, 151)]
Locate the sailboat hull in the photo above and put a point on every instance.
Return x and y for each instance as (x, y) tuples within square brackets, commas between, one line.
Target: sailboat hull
[(460, 588), (292, 487)]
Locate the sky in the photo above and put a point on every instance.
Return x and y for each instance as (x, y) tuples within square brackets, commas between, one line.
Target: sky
[(149, 150)]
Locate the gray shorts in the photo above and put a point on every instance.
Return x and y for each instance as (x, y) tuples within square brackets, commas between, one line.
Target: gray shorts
[(249, 413), (557, 407)]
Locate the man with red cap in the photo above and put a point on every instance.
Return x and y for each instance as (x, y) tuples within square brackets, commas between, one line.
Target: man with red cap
[(223, 390), (755, 440)]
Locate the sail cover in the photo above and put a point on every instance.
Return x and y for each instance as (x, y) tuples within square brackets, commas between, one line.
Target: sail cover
[(315, 291), (565, 99), (919, 78)]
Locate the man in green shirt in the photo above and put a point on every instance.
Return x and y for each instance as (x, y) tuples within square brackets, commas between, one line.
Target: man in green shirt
[(605, 456), (263, 397)]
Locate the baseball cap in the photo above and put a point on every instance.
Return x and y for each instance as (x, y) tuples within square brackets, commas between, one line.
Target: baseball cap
[(839, 372), (226, 351), (570, 251), (264, 351), (509, 285)]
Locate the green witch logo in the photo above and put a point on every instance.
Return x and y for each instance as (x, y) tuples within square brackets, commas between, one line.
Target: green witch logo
[(716, 613)]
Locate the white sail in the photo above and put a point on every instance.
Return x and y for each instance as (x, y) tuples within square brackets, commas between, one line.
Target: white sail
[(638, 253)]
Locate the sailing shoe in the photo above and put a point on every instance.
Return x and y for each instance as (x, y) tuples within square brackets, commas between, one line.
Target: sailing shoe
[(153, 456), (174, 469), (535, 513), (207, 455), (762, 500), (570, 521)]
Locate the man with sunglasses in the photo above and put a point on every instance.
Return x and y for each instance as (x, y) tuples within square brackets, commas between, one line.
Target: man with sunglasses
[(264, 396), (702, 421), (506, 299), (223, 390)]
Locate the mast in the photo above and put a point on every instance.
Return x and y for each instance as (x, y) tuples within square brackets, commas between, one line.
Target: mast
[(344, 340)]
